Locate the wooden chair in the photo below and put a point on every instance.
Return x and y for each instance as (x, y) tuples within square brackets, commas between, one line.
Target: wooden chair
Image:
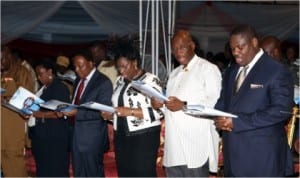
[(290, 130)]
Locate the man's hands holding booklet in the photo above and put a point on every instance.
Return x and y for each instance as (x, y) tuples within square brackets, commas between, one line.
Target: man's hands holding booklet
[(173, 103), (224, 123)]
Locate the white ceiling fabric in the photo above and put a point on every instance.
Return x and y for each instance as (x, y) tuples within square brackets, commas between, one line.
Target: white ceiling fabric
[(71, 22)]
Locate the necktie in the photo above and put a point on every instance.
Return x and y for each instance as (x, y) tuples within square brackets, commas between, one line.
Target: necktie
[(240, 78), (79, 91), (77, 98)]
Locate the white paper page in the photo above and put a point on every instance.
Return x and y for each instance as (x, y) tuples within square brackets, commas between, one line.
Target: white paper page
[(148, 90), (25, 100), (98, 106), (57, 105), (200, 110)]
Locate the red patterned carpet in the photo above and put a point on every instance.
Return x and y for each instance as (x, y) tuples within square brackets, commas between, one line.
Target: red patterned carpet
[(110, 165), (109, 161)]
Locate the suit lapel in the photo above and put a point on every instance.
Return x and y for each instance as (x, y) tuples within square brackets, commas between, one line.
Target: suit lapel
[(89, 87), (77, 80), (248, 80)]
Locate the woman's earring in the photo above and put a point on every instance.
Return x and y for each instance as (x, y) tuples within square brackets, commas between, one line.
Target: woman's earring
[(50, 77)]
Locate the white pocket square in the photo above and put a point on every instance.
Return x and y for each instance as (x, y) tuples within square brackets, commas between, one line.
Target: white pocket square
[(256, 86)]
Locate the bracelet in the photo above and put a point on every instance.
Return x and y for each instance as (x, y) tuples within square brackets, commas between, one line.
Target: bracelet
[(131, 112), (43, 118)]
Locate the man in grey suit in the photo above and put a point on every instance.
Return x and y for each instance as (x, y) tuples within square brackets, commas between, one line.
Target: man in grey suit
[(255, 143), (90, 130)]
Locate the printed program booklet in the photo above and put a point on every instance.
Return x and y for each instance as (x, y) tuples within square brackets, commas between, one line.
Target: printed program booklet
[(24, 101)]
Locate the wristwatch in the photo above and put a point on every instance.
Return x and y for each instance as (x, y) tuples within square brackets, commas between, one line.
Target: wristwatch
[(184, 105)]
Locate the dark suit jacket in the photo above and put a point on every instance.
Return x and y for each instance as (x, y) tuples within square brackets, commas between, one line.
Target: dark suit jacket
[(90, 130), (257, 146)]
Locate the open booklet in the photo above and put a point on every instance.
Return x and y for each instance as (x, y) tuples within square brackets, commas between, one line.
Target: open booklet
[(148, 90), (200, 110), (24, 101), (56, 105)]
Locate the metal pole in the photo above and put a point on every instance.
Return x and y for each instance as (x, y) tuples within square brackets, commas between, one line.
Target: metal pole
[(172, 32), (145, 34), (157, 35), (152, 35), (141, 28), (164, 34)]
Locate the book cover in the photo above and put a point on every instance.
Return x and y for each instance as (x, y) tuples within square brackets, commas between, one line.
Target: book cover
[(24, 101)]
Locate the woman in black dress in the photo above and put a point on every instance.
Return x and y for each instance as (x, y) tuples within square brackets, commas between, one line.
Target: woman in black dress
[(49, 132), (136, 123)]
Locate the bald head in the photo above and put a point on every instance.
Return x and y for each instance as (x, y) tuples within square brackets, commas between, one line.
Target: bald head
[(184, 34), (271, 45), (183, 46)]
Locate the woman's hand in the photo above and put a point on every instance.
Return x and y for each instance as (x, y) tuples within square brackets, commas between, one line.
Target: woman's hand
[(106, 115), (25, 116), (123, 111), (156, 104), (70, 113)]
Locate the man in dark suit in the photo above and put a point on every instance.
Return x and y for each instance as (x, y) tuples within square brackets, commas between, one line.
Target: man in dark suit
[(90, 130), (255, 143)]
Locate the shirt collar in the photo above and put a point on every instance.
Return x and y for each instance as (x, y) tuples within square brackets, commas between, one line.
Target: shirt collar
[(253, 62), (88, 78), (189, 65)]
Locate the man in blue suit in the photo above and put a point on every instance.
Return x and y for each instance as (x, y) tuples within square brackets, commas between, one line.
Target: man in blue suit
[(255, 143), (90, 130)]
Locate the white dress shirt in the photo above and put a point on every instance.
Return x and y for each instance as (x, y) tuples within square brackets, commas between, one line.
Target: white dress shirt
[(86, 81), (189, 140)]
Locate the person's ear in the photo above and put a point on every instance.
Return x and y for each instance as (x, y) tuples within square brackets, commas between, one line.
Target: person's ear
[(91, 64), (135, 64), (49, 72), (276, 52), (255, 42), (193, 45)]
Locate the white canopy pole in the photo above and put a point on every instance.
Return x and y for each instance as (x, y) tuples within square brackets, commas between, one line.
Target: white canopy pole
[(157, 37), (164, 34), (171, 22), (145, 35), (141, 28), (152, 35)]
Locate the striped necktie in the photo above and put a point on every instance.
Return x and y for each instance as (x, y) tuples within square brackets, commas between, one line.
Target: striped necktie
[(79, 91), (240, 78)]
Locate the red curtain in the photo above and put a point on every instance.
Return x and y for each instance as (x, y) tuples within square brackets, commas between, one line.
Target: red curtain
[(33, 51)]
